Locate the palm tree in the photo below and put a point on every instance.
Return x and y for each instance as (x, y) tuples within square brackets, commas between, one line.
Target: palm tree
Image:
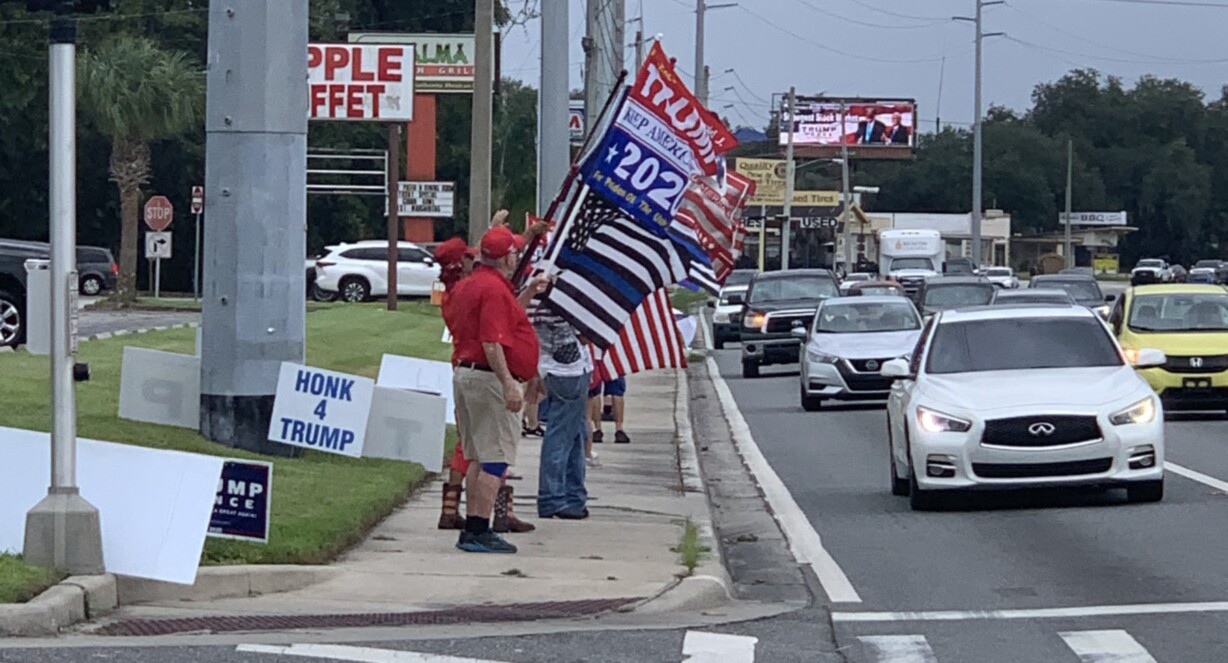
[(136, 93)]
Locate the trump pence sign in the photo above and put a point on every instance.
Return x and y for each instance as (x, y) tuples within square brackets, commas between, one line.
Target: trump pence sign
[(361, 81)]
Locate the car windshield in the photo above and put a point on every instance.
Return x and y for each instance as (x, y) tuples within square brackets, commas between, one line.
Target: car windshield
[(998, 271), (740, 277), (958, 295), (959, 268), (879, 290), (867, 317), (1206, 264), (1180, 312), (1150, 263), (1030, 298), (1034, 343), (1082, 291), (796, 287), (912, 263)]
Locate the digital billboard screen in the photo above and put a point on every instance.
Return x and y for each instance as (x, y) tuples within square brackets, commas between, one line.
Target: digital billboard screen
[(818, 122)]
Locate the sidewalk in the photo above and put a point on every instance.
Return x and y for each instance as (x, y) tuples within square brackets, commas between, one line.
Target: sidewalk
[(638, 505)]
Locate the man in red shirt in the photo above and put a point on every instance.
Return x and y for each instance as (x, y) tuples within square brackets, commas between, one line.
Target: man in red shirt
[(495, 352)]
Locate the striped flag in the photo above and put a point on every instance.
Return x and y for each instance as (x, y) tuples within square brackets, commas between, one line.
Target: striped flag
[(712, 206), (651, 339)]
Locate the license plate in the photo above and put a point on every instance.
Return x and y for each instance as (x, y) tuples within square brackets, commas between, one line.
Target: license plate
[(1196, 383)]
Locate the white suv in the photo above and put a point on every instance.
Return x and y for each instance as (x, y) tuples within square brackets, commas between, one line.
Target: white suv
[(359, 271)]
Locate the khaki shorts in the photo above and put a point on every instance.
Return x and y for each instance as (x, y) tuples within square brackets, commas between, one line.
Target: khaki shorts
[(489, 433)]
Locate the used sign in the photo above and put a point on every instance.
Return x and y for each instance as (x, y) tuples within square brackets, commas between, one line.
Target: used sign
[(354, 82)]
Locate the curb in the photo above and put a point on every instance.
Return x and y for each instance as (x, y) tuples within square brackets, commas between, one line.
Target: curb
[(73, 600), (709, 586), (219, 582), (126, 332)]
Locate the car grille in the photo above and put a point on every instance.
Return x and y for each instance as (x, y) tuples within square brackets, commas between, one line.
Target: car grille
[(869, 381), (735, 318), (1208, 364), (1017, 431), (782, 324), (864, 365), (1038, 470)]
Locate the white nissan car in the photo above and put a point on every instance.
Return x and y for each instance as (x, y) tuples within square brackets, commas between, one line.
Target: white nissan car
[(847, 344), (1022, 397)]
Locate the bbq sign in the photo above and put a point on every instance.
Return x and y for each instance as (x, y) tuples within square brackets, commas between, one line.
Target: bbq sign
[(361, 82)]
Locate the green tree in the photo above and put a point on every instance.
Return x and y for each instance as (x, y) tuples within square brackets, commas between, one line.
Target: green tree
[(136, 93)]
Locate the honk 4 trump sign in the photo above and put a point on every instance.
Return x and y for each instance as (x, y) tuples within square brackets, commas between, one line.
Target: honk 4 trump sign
[(322, 410)]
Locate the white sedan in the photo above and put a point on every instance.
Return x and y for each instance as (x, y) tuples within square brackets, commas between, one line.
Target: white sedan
[(1003, 277), (850, 279), (847, 344), (1017, 398)]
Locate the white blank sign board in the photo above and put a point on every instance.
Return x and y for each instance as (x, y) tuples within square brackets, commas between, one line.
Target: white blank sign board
[(154, 505), (406, 425), (432, 377), (160, 388)]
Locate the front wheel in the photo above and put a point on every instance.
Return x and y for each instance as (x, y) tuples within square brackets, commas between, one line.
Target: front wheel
[(811, 403), (750, 369), (920, 500), (899, 487), (1145, 491), (719, 343)]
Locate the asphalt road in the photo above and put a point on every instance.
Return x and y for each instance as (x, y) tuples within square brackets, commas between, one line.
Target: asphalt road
[(1005, 551)]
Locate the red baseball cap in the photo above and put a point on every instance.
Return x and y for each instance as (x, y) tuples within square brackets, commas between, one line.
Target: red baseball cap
[(498, 242), (450, 251)]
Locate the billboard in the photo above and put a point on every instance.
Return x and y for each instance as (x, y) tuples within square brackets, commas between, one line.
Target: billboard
[(351, 82), (443, 63), (769, 178), (876, 124), (1094, 219)]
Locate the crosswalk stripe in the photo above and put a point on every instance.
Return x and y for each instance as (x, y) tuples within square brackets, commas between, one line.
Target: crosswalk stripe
[(1106, 647), (701, 647), (899, 648), (356, 654)]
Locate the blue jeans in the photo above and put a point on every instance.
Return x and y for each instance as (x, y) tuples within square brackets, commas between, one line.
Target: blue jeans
[(560, 482)]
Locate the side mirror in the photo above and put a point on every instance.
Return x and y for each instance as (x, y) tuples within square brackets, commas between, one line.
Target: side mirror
[(799, 333), (711, 304), (1150, 358), (897, 369), (1110, 298)]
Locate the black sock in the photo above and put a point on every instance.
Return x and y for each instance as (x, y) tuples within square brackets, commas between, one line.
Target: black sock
[(476, 524)]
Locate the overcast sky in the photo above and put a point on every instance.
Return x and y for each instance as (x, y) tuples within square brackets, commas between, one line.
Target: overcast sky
[(896, 48)]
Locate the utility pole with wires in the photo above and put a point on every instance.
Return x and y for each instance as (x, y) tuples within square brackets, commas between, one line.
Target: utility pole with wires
[(701, 78), (483, 120), (553, 139), (976, 126), (603, 52)]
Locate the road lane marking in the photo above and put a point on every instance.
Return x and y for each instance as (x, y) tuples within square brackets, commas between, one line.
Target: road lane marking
[(1106, 647), (356, 654), (1186, 472), (804, 541), (1033, 613), (899, 648), (701, 647)]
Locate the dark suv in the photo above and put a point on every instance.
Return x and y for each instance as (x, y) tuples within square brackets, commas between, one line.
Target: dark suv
[(776, 302), (96, 267), (12, 296)]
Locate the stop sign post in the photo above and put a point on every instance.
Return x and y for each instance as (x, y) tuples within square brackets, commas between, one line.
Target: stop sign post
[(158, 216)]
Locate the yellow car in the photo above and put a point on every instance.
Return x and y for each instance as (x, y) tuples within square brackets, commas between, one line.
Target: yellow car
[(1189, 323)]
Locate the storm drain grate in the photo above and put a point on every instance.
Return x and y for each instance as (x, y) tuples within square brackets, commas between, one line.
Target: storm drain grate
[(517, 612)]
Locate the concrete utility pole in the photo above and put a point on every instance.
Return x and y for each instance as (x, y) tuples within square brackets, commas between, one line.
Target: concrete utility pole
[(701, 89), (483, 120), (394, 221), (63, 530), (1068, 253), (787, 226), (553, 139), (847, 232), (977, 196), (603, 53), (254, 316)]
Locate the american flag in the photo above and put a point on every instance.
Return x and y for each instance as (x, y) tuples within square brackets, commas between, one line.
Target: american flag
[(608, 264), (648, 341), (712, 206)]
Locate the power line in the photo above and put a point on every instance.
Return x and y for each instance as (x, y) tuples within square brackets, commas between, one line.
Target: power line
[(1171, 3), (746, 87), (827, 12), (1103, 57), (897, 14), (829, 49), (1157, 59)]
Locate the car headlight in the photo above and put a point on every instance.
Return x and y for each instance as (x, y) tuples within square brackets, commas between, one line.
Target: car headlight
[(721, 317), (753, 320), (933, 421), (821, 358), (1142, 412)]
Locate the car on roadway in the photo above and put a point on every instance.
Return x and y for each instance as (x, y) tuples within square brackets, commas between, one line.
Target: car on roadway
[(1151, 270), (1189, 323), (942, 293), (359, 271), (740, 277), (855, 277), (1028, 397), (12, 296), (1003, 277), (776, 302), (97, 270), (1032, 297), (876, 289), (954, 266), (727, 315), (1205, 271), (847, 344), (1085, 290)]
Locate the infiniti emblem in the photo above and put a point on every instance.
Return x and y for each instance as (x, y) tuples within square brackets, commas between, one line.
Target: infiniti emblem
[(1196, 362), (1042, 429)]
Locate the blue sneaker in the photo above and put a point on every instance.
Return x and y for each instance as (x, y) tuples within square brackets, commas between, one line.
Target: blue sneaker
[(486, 542)]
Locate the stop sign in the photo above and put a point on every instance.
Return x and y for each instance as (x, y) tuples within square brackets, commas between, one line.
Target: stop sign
[(159, 213)]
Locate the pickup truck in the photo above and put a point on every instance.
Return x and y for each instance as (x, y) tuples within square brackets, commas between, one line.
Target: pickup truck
[(12, 297), (775, 303)]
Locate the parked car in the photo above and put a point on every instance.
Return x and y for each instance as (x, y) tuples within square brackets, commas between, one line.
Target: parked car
[(359, 271), (1085, 290), (12, 296), (852, 278), (876, 289), (955, 266), (1033, 296), (1179, 274), (727, 316), (97, 270), (314, 291), (847, 344), (1003, 277), (949, 292), (776, 302), (1150, 270), (1205, 271)]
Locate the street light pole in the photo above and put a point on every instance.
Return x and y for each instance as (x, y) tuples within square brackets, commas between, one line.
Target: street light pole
[(977, 195), (701, 90), (63, 530), (847, 193), (786, 227), (1068, 253)]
